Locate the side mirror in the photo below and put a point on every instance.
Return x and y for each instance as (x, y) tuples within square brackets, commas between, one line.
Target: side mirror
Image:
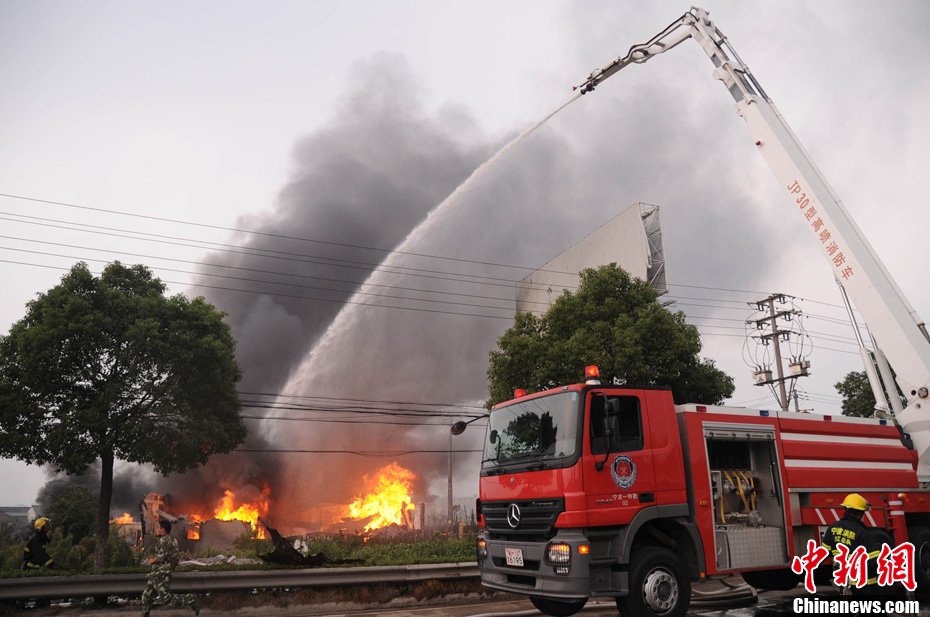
[(458, 428), (611, 410)]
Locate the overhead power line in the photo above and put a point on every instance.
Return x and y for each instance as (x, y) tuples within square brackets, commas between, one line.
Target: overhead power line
[(368, 453), (405, 302), (297, 286), (229, 267), (261, 233), (365, 266), (358, 400), (508, 317), (444, 425), (343, 245)]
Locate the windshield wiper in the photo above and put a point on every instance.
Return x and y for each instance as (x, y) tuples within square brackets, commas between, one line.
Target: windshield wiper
[(497, 469), (538, 461)]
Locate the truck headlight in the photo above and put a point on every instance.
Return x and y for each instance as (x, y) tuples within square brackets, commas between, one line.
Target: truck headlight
[(482, 550), (559, 556)]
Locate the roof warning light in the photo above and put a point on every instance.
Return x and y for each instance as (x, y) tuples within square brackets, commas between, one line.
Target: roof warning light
[(592, 375)]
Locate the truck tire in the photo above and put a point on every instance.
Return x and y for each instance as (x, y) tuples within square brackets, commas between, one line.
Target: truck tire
[(920, 538), (658, 585), (782, 579), (558, 608)]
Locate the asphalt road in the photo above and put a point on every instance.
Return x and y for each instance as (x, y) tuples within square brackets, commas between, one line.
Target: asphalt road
[(767, 604)]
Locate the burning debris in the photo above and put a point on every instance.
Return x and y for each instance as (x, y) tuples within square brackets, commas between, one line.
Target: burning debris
[(217, 533), (228, 522), (285, 554), (127, 529), (388, 501), (247, 512), (384, 508)]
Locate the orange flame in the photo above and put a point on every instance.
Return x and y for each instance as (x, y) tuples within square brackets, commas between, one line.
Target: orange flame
[(125, 519), (248, 512), (388, 498), (193, 527)]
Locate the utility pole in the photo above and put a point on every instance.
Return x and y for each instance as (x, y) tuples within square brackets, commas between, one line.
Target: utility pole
[(799, 369), (449, 505)]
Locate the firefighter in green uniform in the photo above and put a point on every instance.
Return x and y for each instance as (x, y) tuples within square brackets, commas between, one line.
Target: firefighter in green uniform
[(35, 557), (164, 561)]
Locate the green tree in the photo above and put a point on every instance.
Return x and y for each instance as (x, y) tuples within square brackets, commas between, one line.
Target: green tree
[(613, 321), (110, 368), (858, 399), (858, 396), (73, 512)]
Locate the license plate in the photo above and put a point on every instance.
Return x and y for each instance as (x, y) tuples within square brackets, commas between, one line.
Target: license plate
[(514, 557)]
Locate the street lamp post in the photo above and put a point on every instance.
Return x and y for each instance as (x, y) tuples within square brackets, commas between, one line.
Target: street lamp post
[(456, 429)]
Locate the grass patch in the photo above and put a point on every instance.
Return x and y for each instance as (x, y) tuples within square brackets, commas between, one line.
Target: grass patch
[(374, 552), (379, 594)]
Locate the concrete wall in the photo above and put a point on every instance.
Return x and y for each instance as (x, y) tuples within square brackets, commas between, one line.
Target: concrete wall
[(632, 240)]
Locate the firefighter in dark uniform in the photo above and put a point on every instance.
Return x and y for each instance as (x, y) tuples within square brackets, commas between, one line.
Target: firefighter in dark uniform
[(851, 531), (35, 557)]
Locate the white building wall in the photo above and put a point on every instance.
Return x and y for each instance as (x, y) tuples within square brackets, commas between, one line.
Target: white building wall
[(622, 240)]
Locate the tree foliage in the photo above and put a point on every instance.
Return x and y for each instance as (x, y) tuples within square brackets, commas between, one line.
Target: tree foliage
[(858, 399), (73, 512), (110, 368), (613, 321), (858, 396)]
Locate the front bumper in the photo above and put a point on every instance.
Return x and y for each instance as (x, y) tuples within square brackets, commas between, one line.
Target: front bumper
[(536, 577)]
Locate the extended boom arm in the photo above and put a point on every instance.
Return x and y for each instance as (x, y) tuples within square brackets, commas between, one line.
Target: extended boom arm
[(891, 319)]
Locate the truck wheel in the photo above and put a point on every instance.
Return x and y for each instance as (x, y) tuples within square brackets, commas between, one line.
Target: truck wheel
[(558, 608), (920, 538), (658, 585)]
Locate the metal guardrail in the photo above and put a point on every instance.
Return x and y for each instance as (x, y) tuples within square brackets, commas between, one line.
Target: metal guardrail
[(200, 581)]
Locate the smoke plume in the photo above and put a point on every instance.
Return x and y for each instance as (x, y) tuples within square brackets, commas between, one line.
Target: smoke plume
[(418, 333)]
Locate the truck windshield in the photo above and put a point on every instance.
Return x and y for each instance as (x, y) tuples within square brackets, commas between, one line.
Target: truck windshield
[(535, 430)]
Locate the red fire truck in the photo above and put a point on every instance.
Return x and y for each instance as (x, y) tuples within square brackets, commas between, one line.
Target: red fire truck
[(590, 490), (604, 491)]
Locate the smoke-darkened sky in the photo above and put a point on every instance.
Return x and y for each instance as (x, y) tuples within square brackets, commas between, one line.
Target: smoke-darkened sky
[(348, 122)]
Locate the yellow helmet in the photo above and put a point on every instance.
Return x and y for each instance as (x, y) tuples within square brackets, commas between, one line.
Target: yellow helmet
[(855, 501), (41, 522)]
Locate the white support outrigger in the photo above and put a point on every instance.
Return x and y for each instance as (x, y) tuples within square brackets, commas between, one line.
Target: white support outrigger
[(890, 318)]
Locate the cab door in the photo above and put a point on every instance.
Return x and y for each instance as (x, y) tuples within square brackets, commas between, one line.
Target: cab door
[(617, 458)]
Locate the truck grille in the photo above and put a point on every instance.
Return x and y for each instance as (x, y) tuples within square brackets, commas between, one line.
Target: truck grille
[(537, 518)]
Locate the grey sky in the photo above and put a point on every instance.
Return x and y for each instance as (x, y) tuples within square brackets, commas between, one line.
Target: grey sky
[(240, 114)]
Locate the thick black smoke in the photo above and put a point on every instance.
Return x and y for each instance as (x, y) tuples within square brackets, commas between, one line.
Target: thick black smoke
[(364, 180), (129, 486)]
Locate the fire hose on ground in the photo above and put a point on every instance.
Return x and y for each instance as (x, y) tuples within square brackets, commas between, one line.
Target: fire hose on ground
[(733, 594)]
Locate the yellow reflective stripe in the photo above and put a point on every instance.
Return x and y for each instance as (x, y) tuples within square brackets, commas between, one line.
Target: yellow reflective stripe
[(33, 565), (48, 562)]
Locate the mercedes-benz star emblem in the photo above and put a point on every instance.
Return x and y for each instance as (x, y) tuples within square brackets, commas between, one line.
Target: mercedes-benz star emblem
[(513, 515)]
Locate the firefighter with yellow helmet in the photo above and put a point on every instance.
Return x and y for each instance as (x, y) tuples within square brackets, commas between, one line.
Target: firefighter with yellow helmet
[(35, 557), (851, 531)]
